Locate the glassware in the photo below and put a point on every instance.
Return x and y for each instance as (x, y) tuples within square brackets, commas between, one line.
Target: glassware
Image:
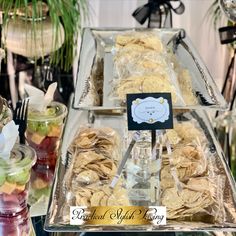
[(226, 132), (40, 184), (16, 225), (44, 130), (140, 192), (14, 179)]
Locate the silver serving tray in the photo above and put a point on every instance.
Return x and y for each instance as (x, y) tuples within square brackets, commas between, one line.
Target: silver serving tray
[(76, 119), (96, 49)]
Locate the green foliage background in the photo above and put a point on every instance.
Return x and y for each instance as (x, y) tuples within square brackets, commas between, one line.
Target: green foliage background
[(68, 12)]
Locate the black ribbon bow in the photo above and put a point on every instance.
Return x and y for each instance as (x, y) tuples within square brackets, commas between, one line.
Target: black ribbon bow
[(227, 34), (145, 12)]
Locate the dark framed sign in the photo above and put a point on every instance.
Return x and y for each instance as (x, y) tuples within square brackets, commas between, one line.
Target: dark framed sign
[(149, 111)]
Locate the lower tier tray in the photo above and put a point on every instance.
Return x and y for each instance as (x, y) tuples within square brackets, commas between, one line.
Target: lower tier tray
[(220, 214)]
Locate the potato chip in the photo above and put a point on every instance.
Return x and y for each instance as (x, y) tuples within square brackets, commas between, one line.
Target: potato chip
[(84, 192), (96, 198), (85, 142), (83, 158), (173, 137), (91, 167), (201, 184), (87, 177), (148, 40), (81, 201), (103, 201), (106, 189), (188, 132), (134, 48), (105, 170), (171, 199), (123, 39)]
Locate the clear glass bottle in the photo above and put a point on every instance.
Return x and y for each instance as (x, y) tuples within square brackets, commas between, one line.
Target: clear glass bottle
[(140, 193)]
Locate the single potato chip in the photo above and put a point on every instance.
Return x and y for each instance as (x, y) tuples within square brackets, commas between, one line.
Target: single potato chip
[(96, 198), (87, 177), (84, 158), (82, 201), (171, 199)]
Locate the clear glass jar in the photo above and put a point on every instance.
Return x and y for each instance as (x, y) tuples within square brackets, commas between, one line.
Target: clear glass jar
[(44, 130), (138, 174), (14, 179), (40, 184), (16, 225)]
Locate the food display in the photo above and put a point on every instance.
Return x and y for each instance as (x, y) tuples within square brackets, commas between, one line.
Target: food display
[(188, 161), (199, 200), (191, 186), (140, 66), (5, 113), (200, 193), (106, 169), (192, 178), (185, 133), (145, 84), (117, 62), (95, 156), (44, 130), (14, 179)]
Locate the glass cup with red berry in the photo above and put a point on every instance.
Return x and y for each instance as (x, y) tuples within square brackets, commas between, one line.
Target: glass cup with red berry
[(44, 130), (15, 172)]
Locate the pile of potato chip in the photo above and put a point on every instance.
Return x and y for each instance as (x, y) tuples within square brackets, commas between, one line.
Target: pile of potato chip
[(188, 161), (185, 133), (129, 62), (103, 140), (95, 156), (196, 197), (139, 40), (146, 84), (90, 167), (142, 65), (199, 197), (101, 195)]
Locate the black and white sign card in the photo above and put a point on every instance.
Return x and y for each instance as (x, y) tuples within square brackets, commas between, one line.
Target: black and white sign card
[(149, 111)]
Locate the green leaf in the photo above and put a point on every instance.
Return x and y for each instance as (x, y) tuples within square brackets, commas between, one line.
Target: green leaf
[(66, 12)]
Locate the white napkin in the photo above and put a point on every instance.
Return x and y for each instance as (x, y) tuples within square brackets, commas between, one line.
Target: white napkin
[(8, 139), (37, 99)]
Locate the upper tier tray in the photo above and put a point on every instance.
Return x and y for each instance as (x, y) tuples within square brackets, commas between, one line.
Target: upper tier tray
[(97, 72)]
